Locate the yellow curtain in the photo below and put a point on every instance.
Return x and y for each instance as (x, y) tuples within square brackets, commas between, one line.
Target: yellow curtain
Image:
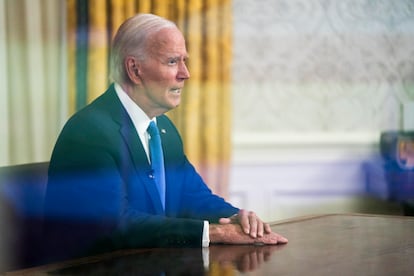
[(204, 117)]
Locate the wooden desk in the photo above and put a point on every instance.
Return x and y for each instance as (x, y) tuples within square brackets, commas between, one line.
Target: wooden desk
[(318, 245)]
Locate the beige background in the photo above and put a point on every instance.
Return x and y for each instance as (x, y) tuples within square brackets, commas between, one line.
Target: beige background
[(322, 66), (314, 84)]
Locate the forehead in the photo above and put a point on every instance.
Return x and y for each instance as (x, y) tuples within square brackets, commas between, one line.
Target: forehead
[(167, 41)]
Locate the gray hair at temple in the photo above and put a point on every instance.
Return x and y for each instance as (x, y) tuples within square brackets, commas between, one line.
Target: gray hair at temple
[(130, 40)]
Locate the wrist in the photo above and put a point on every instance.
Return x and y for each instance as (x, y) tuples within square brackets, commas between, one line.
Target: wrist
[(215, 233)]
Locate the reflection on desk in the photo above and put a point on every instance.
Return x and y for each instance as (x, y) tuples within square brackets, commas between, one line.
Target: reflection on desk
[(318, 245), (221, 260)]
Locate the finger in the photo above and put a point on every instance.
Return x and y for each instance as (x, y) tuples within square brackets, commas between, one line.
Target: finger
[(224, 221), (260, 228), (282, 239), (232, 219), (244, 221), (267, 228), (272, 238), (253, 224)]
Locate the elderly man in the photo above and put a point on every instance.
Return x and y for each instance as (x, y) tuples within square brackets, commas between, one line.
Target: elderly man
[(110, 187)]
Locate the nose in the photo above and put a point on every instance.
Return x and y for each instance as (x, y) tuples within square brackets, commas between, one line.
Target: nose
[(183, 72)]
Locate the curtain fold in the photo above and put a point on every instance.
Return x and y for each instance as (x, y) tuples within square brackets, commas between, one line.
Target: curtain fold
[(204, 117), (71, 21), (30, 79), (4, 85), (97, 49)]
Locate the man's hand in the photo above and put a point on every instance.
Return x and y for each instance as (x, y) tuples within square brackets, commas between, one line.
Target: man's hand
[(251, 224), (244, 228)]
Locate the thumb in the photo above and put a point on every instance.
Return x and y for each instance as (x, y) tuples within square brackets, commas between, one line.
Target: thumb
[(224, 220)]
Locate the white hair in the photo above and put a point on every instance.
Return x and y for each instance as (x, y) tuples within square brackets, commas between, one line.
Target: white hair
[(131, 39)]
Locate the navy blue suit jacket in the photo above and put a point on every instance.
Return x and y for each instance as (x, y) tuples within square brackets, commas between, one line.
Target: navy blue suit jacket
[(100, 191)]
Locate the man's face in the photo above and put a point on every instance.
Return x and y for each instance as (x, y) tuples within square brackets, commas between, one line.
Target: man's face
[(164, 71)]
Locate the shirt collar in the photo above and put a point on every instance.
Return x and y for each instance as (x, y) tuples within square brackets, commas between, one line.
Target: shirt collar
[(139, 118)]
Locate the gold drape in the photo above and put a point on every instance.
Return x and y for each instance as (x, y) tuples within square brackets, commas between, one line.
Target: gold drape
[(204, 117)]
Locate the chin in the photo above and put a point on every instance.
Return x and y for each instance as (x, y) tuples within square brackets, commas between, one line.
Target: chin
[(175, 104)]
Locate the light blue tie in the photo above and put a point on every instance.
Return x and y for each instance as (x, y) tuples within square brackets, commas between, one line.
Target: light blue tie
[(157, 160)]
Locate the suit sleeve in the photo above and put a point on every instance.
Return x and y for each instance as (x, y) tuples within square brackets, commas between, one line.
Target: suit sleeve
[(196, 199)]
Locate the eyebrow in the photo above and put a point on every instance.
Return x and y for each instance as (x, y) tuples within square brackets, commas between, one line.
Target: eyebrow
[(178, 57)]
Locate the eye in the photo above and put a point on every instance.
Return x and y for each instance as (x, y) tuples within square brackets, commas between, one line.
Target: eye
[(172, 61)]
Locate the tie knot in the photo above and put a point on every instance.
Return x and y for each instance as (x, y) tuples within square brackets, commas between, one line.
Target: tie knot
[(152, 129)]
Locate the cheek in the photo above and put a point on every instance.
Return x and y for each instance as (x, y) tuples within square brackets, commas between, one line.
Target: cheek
[(168, 76), (159, 73)]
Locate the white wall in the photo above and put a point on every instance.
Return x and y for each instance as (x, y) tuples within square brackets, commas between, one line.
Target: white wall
[(314, 84), (283, 176)]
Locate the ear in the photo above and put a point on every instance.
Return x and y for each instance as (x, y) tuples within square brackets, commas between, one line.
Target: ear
[(132, 69)]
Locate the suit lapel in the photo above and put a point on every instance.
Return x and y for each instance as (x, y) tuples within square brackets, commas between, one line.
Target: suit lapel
[(136, 151), (141, 165)]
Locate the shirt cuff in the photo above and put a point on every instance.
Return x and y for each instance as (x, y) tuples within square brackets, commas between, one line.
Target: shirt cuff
[(206, 235)]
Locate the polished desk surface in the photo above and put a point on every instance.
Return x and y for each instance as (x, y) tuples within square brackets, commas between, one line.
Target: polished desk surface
[(338, 244)]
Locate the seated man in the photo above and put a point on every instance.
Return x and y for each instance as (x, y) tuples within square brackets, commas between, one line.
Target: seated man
[(108, 189)]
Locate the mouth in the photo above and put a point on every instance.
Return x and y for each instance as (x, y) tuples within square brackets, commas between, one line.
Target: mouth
[(175, 90)]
